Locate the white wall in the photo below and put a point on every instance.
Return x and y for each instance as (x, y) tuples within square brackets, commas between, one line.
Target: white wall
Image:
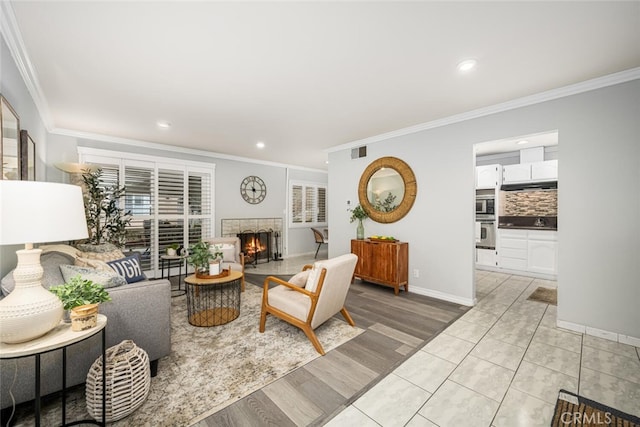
[(599, 202), (14, 90)]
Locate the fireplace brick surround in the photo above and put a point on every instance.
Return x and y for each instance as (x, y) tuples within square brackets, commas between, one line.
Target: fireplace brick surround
[(260, 238)]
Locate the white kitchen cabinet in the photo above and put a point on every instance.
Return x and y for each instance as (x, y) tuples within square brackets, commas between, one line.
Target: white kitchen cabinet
[(512, 253), (542, 252), (488, 176), (530, 172), (516, 173), (544, 171), (534, 251), (486, 257)]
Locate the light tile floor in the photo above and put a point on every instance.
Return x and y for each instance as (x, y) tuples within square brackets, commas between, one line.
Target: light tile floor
[(501, 364), (291, 265)]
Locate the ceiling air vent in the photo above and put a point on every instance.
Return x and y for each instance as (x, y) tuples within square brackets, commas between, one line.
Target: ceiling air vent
[(359, 152)]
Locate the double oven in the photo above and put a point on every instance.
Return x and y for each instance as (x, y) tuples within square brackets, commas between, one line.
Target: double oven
[(485, 221)]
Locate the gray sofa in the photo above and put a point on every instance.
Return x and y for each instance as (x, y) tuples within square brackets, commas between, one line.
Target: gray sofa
[(138, 311)]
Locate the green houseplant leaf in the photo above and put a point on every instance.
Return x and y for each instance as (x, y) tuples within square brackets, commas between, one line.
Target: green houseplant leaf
[(200, 255), (358, 213), (105, 220), (79, 291)]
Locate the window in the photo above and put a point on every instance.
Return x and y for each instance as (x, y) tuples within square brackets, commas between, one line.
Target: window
[(169, 203), (308, 204)]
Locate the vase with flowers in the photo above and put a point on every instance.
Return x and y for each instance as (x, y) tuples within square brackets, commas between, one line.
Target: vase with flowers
[(359, 214)]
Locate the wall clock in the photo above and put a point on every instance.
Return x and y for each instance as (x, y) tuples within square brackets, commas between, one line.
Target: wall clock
[(253, 190)]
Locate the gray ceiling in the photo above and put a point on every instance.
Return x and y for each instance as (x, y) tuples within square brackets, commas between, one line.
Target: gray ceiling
[(305, 76)]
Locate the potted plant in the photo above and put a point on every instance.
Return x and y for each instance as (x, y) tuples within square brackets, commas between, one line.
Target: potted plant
[(200, 256), (172, 249), (358, 213), (107, 223), (81, 297)]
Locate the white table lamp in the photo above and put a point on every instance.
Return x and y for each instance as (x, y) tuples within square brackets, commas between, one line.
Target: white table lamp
[(35, 212)]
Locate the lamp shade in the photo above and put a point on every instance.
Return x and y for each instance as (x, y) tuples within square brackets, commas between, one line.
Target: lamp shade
[(39, 212), (35, 212)]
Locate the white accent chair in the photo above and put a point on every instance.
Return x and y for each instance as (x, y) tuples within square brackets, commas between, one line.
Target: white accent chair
[(232, 257), (311, 302)]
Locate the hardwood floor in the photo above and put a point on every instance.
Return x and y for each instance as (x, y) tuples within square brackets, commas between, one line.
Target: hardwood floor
[(395, 328)]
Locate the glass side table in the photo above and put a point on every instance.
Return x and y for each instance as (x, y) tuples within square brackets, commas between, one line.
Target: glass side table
[(59, 338)]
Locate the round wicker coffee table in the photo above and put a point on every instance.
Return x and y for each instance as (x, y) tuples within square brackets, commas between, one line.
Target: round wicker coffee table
[(213, 302)]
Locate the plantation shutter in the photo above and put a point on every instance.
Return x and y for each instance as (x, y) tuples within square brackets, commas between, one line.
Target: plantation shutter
[(170, 203), (171, 207), (199, 213), (322, 204), (308, 204), (139, 199), (296, 204)]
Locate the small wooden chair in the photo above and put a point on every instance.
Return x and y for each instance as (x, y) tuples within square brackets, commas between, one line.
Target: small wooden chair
[(320, 239)]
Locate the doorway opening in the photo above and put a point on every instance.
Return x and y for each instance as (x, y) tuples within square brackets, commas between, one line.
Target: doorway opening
[(516, 199)]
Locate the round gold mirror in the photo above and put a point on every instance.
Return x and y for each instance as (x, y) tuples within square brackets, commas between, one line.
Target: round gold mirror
[(387, 189)]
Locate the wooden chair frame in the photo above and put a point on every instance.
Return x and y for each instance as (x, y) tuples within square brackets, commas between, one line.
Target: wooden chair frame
[(304, 325)]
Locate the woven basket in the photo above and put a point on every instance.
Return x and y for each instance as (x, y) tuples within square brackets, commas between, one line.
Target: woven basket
[(128, 380)]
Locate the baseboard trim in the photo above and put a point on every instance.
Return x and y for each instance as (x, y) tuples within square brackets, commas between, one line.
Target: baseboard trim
[(444, 296), (599, 333)]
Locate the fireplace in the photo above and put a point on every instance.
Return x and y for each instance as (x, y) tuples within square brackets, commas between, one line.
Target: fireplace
[(256, 246)]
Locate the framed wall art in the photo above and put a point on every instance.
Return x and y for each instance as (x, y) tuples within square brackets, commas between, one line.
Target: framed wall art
[(27, 157), (10, 146)]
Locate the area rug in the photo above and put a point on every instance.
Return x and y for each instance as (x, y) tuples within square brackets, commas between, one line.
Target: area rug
[(574, 410), (546, 295), (210, 368)]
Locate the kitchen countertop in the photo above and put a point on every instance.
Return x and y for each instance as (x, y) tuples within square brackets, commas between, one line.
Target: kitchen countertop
[(524, 227), (549, 223)]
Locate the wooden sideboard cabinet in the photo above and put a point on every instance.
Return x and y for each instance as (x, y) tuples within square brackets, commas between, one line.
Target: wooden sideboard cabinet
[(384, 263)]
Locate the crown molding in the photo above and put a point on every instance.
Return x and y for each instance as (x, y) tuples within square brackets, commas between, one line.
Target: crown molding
[(13, 38), (175, 149), (574, 89)]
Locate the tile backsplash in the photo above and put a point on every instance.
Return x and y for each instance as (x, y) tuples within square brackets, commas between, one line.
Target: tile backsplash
[(531, 203)]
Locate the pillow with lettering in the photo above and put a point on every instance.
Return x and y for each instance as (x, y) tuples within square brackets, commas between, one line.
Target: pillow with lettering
[(129, 268)]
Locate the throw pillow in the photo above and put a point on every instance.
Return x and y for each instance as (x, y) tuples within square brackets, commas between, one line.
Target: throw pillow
[(314, 277), (228, 252), (93, 263), (108, 279), (51, 276), (129, 268), (300, 279), (104, 252), (66, 249)]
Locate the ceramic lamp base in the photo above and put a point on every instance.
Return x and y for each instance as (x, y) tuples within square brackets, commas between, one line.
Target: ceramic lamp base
[(30, 310)]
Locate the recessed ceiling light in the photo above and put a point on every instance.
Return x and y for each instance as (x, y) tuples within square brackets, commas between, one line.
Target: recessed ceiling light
[(260, 144), (523, 142), (467, 65), (163, 124)]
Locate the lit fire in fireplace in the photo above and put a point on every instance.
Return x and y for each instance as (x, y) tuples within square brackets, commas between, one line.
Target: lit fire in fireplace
[(254, 246)]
